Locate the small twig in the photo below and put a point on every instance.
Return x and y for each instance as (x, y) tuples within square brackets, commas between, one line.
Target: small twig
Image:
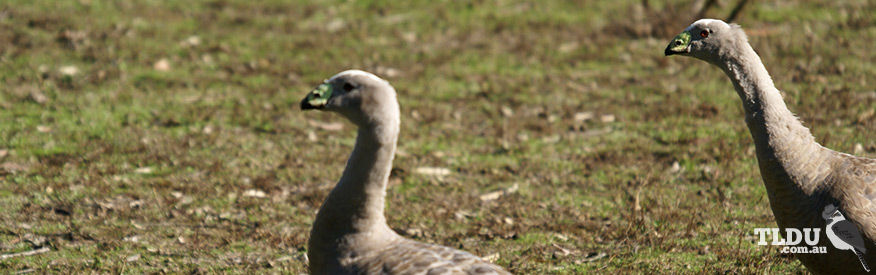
[(26, 253), (593, 256), (736, 10)]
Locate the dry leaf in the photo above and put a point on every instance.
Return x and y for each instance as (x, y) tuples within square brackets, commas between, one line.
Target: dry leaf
[(583, 116), (162, 65), (432, 171), (133, 258), (68, 70), (491, 258), (499, 193), (255, 193), (143, 170)]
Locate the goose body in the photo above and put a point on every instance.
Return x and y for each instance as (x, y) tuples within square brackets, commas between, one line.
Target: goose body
[(350, 234), (801, 176)]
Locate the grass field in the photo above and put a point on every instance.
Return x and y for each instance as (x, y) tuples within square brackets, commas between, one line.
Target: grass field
[(165, 136)]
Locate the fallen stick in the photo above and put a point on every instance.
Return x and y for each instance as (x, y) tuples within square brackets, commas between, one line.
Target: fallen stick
[(26, 253)]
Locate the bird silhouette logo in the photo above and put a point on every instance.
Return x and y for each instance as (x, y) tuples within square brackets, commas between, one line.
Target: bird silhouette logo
[(843, 234)]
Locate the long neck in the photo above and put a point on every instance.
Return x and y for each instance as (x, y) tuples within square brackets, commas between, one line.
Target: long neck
[(356, 204), (791, 162)]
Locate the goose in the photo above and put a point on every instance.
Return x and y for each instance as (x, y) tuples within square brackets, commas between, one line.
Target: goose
[(802, 178), (350, 234)]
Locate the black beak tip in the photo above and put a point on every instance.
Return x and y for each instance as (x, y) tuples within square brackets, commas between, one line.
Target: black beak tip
[(668, 52), (305, 105)]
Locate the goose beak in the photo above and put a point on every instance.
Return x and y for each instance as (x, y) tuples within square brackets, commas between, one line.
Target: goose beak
[(679, 45), (318, 98)]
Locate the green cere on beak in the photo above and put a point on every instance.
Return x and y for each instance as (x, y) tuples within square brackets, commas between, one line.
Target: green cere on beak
[(679, 44), (317, 98)]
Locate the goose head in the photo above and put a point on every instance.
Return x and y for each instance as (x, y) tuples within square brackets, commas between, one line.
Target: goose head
[(360, 96), (710, 40)]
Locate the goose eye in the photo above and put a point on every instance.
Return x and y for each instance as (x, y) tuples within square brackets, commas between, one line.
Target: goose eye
[(348, 87), (704, 33)]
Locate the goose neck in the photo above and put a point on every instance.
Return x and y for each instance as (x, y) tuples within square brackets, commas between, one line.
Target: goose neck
[(790, 160)]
